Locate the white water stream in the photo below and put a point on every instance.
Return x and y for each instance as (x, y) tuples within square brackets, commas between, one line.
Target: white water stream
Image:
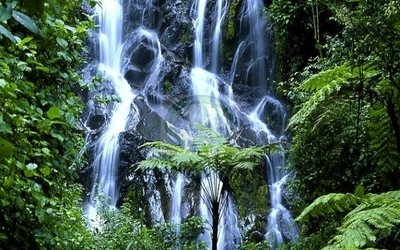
[(206, 79), (106, 151)]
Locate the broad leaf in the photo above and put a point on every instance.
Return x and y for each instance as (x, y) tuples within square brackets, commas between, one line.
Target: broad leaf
[(25, 21), (54, 113), (6, 148), (62, 42), (6, 33), (5, 13), (31, 166)]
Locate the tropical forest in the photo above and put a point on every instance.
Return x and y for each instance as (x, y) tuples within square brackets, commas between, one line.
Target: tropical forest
[(200, 124)]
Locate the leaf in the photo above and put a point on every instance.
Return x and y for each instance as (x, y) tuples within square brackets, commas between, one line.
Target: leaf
[(31, 166), (62, 42), (5, 13), (4, 127), (46, 151), (6, 148), (6, 33), (25, 21), (329, 203), (24, 41), (43, 68), (45, 171), (2, 83), (54, 113), (3, 237)]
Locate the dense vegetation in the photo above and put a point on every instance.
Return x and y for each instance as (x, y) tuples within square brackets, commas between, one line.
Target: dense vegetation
[(338, 71), (344, 90), (40, 55)]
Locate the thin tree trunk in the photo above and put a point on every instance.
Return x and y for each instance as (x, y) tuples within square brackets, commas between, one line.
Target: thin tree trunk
[(395, 123), (215, 222)]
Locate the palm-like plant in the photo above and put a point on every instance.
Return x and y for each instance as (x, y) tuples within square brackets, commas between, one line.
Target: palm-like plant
[(210, 154)]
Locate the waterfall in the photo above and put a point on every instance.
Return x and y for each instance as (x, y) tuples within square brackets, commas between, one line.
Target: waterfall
[(137, 60), (106, 151), (280, 223)]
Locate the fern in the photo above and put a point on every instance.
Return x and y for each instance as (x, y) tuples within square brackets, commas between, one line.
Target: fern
[(321, 80), (383, 142), (210, 151), (372, 216), (330, 203), (326, 85)]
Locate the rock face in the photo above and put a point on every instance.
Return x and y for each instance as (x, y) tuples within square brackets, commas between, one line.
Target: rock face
[(158, 56)]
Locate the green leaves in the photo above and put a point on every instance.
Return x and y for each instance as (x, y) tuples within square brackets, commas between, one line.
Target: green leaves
[(6, 33), (5, 12), (329, 203), (6, 148), (62, 42), (53, 113), (370, 217), (325, 87), (25, 21), (210, 151), (39, 143)]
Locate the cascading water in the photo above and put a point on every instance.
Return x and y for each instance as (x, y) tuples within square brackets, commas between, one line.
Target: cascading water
[(205, 87), (280, 222), (136, 58), (106, 152)]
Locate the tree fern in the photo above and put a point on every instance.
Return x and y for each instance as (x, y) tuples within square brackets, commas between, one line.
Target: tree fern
[(326, 85), (383, 142), (371, 216), (329, 203)]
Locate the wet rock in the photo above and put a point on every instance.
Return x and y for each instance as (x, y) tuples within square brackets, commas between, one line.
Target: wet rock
[(95, 122), (247, 137)]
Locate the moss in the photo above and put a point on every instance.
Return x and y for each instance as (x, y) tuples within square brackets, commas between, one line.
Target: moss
[(250, 191), (231, 26), (167, 87)]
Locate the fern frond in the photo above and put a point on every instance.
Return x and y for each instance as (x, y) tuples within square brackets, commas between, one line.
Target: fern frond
[(395, 195), (245, 165), (377, 214), (383, 142), (163, 146), (326, 88), (206, 135), (330, 203), (186, 160), (335, 75), (357, 234), (154, 163)]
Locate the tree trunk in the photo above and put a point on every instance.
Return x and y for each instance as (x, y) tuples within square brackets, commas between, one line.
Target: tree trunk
[(394, 121), (215, 222)]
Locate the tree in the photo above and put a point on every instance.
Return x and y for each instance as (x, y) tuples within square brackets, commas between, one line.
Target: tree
[(211, 154)]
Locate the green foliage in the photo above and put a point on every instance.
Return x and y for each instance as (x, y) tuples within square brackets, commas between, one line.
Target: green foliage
[(299, 33), (210, 151), (371, 216), (329, 203), (324, 85), (5, 148), (117, 229), (7, 12), (231, 26), (250, 191), (383, 143), (255, 246), (346, 118), (39, 138)]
